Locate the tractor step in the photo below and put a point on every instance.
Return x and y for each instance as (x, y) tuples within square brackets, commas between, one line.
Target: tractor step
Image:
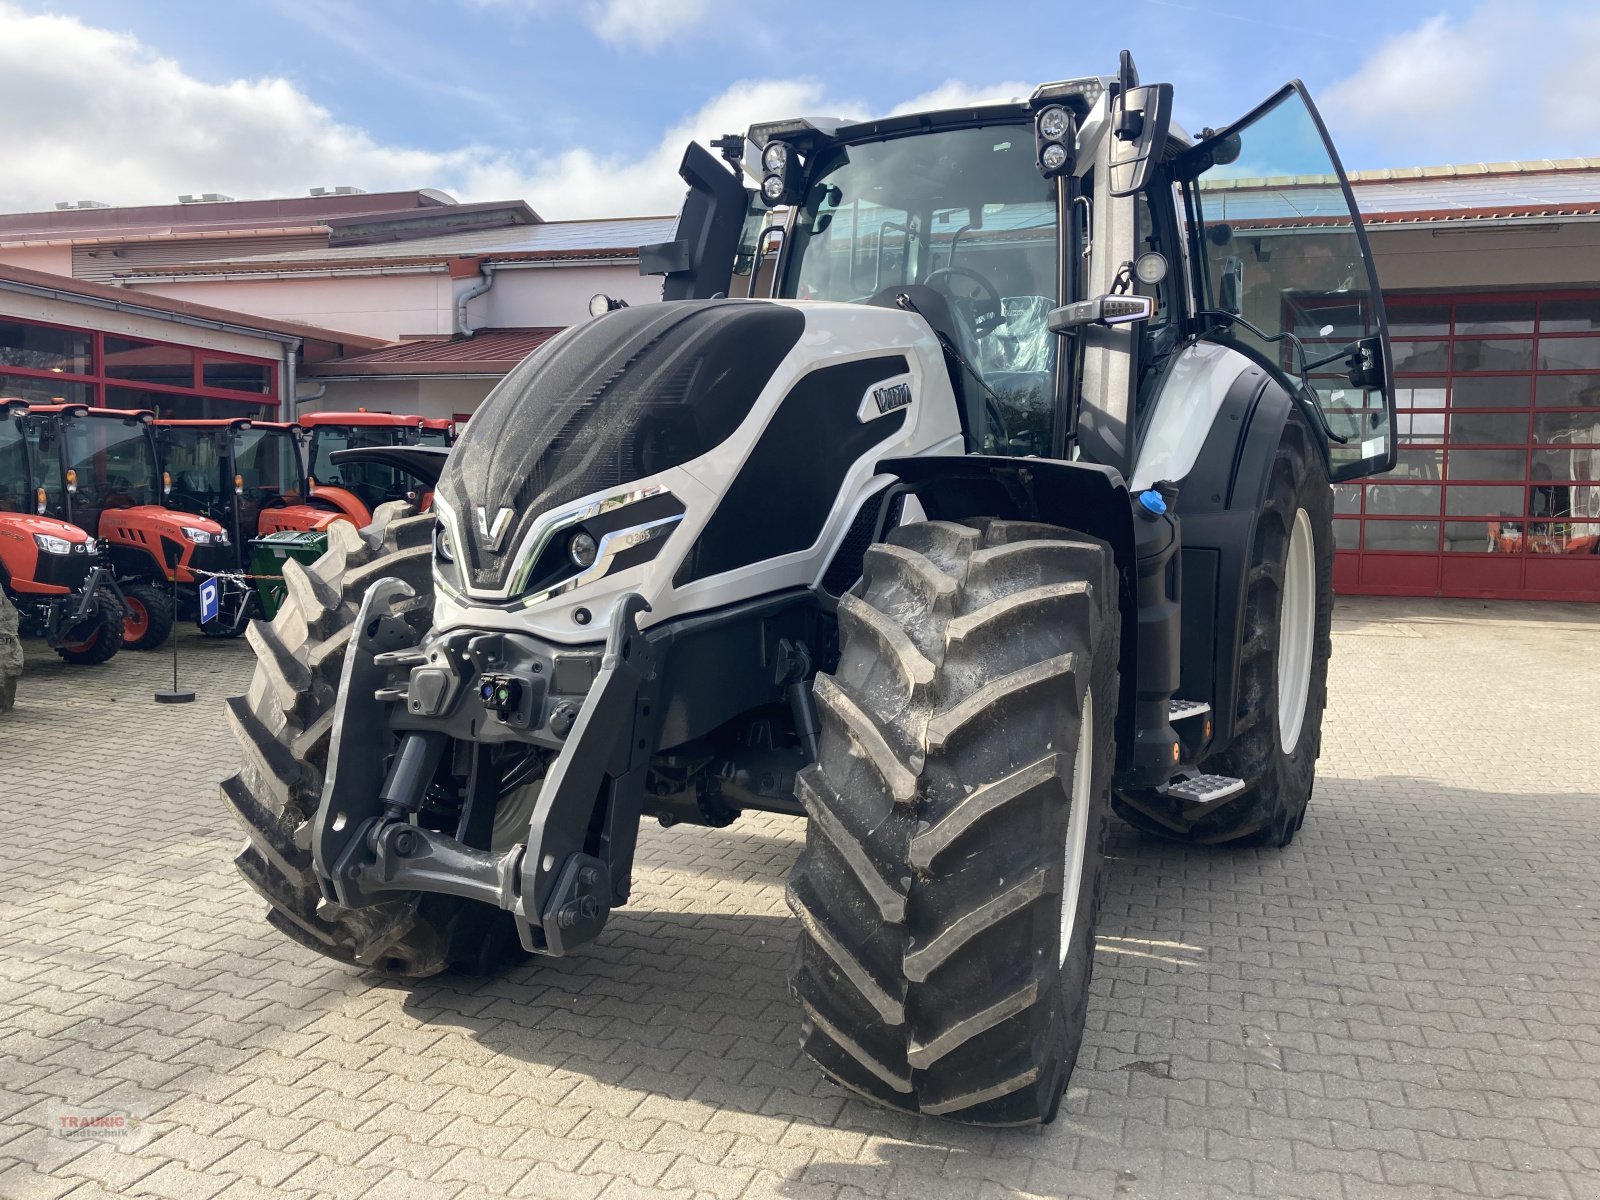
[(1181, 709), (1201, 790)]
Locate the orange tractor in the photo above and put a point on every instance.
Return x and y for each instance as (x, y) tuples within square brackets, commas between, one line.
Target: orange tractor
[(51, 570), (367, 481), (99, 469), (248, 477)]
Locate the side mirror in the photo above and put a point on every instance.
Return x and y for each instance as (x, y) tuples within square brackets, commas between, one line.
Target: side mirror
[(1140, 119), (1102, 310)]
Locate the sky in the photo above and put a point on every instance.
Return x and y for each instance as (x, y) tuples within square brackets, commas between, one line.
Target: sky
[(583, 107)]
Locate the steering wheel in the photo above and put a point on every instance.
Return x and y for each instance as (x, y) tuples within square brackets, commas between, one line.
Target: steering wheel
[(984, 320)]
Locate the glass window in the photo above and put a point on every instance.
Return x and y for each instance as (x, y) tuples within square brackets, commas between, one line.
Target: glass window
[(268, 459), (1495, 316), (1346, 534), (1416, 464), (1419, 393), (115, 464), (1487, 501), (1491, 392), (1569, 354), (42, 348), (1420, 427), (1347, 498), (149, 362), (1281, 248), (15, 495), (1415, 536), (1402, 499), (190, 456), (42, 390), (1500, 354), (1419, 320), (965, 213), (1568, 391), (1415, 357), (1579, 465), (1578, 428), (1479, 537), (1570, 316), (1489, 428), (237, 376), (1488, 464)]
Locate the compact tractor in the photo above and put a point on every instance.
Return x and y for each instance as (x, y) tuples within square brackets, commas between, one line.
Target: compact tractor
[(248, 477), (366, 483), (53, 571), (1004, 504), (99, 468)]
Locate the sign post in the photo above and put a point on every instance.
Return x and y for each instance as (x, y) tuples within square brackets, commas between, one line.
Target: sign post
[(177, 695)]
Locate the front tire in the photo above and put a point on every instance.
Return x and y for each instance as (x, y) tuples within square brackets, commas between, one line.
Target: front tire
[(1283, 667), (951, 880), (147, 617), (97, 638), (283, 725)]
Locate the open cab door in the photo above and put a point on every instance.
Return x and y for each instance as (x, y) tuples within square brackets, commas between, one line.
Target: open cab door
[(1283, 272)]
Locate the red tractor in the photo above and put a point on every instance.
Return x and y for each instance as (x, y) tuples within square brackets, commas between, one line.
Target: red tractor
[(367, 482), (247, 476), (52, 570), (99, 469)]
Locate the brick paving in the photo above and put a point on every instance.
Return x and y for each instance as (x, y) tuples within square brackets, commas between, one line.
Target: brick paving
[(1406, 1003)]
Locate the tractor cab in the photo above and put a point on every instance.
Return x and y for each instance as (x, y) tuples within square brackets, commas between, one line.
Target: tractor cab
[(245, 474), (100, 469), (52, 570), (367, 480)]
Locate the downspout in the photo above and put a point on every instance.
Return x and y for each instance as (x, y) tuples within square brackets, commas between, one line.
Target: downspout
[(486, 273), (288, 406)]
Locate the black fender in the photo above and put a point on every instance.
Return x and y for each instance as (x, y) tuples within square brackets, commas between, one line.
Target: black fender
[(1218, 506), (1079, 495)]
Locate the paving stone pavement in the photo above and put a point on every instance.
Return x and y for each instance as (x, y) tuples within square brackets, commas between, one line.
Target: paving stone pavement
[(1405, 1003)]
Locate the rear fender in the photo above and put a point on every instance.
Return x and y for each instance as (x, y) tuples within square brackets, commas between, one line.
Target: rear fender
[(1087, 497), (344, 501)]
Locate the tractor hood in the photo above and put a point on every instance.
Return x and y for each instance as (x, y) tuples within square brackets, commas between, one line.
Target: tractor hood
[(29, 524), (623, 397)]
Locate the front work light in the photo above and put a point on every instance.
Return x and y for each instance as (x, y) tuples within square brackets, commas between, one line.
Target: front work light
[(1054, 123), (1053, 156), (582, 550), (781, 182), (775, 158), (1055, 135)]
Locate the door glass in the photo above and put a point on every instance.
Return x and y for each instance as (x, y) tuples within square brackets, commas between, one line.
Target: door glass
[(1285, 272)]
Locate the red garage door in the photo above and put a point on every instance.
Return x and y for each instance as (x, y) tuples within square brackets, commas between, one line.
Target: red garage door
[(1497, 491)]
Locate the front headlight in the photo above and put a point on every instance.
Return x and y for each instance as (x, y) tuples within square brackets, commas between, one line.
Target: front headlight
[(200, 537), (51, 544), (441, 544)]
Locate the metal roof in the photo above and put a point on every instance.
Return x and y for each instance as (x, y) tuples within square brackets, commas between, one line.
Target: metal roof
[(1420, 195), (618, 237), (486, 352)]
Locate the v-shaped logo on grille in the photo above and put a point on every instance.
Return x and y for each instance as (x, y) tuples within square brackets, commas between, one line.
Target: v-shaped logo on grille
[(493, 534)]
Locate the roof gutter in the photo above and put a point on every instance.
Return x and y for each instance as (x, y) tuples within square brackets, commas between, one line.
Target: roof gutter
[(138, 280)]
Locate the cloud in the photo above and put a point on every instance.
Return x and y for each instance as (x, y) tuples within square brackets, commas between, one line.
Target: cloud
[(952, 93), (96, 115), (642, 23), (1504, 81)]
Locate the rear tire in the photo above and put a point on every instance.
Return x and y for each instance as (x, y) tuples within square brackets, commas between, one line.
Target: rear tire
[(951, 880), (1283, 667), (283, 726), (148, 616), (96, 638)]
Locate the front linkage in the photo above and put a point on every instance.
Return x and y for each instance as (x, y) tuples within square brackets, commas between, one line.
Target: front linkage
[(593, 711)]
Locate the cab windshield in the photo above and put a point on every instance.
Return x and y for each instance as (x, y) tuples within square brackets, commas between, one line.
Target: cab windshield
[(115, 466), (268, 460), (965, 213), (372, 482), (15, 496), (190, 457)]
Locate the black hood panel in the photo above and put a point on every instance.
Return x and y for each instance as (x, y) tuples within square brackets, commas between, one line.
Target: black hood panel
[(602, 405)]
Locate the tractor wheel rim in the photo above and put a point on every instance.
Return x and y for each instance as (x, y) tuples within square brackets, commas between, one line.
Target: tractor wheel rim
[(85, 645), (136, 621), (1297, 621), (1077, 826)]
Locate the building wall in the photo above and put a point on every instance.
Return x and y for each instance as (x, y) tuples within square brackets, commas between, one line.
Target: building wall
[(384, 306), (1546, 255), (422, 397), (55, 259), (526, 297), (89, 316)]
